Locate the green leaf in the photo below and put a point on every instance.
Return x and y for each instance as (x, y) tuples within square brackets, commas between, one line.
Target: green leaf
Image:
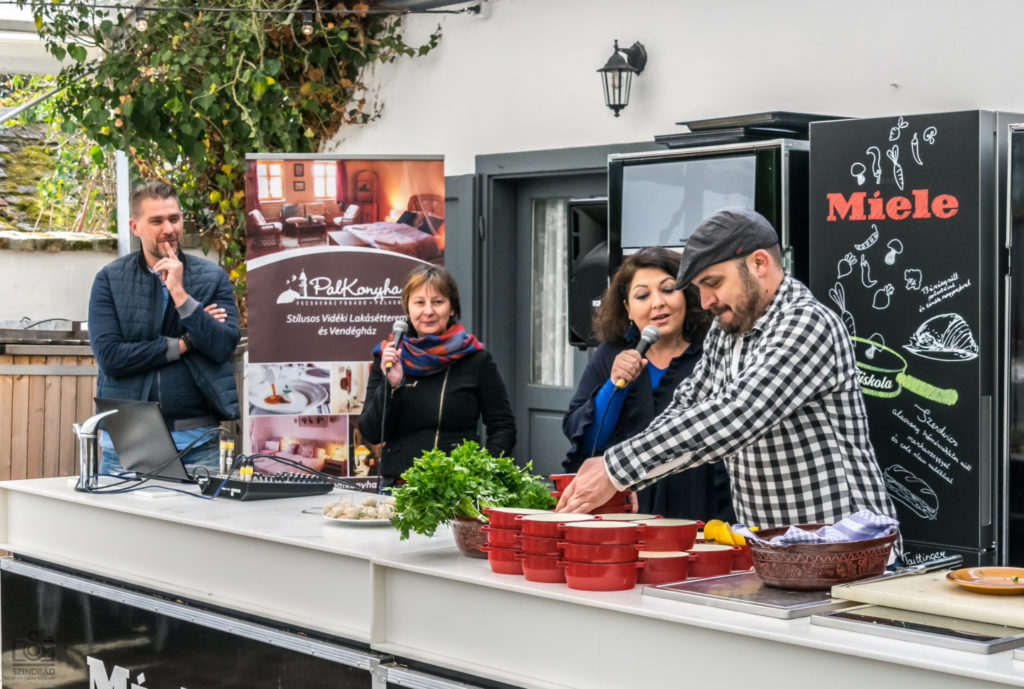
[(96, 153)]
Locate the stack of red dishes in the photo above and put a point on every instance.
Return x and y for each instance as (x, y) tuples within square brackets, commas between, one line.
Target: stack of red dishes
[(504, 538), (617, 503), (712, 559), (539, 554), (600, 555), (664, 566)]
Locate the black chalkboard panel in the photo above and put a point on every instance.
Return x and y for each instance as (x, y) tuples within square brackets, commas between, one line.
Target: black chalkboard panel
[(904, 245)]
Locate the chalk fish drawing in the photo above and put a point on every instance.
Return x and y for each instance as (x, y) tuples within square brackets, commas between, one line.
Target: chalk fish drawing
[(895, 248), (876, 163), (838, 295), (857, 171), (865, 273), (893, 154), (870, 241), (883, 297), (945, 337), (845, 265), (912, 276)]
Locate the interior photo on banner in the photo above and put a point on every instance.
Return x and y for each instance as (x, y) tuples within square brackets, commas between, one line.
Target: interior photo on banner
[(330, 241)]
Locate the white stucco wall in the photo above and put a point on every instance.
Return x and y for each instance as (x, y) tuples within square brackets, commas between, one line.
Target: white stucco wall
[(522, 75), (52, 284)]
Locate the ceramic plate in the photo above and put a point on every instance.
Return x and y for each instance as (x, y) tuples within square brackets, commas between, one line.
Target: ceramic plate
[(993, 580), (348, 522), (298, 396), (358, 522), (316, 375)]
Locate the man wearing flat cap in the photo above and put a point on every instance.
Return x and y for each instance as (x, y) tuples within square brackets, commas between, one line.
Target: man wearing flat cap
[(776, 395)]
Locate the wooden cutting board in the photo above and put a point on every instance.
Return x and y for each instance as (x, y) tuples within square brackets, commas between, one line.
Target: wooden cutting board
[(932, 593)]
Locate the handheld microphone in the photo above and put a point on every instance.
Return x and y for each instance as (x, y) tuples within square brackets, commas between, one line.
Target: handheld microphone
[(398, 330), (648, 336)]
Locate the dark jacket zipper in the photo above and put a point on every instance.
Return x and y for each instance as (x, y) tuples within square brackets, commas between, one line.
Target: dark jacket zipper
[(440, 406)]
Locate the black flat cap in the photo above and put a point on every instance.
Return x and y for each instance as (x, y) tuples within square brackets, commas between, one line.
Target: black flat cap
[(725, 234)]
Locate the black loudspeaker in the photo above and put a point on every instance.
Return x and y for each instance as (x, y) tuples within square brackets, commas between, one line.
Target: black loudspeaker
[(588, 265)]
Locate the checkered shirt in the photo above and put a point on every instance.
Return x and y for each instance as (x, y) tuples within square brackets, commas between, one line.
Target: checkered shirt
[(781, 405)]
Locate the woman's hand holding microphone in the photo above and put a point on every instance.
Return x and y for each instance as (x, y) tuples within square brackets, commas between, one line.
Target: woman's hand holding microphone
[(391, 355), (391, 364), (626, 367)]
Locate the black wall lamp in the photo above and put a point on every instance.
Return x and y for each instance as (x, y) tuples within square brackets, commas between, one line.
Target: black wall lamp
[(618, 72)]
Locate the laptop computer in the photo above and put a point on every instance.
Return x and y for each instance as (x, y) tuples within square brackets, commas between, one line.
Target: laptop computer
[(141, 439)]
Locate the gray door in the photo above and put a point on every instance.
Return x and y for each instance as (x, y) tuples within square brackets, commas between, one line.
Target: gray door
[(547, 367)]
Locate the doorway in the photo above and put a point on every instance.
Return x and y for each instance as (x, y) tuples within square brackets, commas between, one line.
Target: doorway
[(524, 273)]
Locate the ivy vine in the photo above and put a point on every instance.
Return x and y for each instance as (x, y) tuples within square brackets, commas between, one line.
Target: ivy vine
[(196, 91)]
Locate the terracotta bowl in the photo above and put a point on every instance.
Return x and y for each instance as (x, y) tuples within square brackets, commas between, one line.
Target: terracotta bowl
[(818, 566), (468, 536)]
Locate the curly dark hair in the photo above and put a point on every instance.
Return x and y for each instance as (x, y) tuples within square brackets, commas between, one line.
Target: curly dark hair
[(611, 320)]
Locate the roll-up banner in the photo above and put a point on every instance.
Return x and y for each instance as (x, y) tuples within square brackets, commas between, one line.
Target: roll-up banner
[(330, 241)]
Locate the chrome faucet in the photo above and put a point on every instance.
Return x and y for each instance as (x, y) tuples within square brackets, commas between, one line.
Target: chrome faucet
[(88, 456)]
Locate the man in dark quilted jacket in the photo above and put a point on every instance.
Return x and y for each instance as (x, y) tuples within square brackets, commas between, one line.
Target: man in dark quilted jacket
[(163, 326)]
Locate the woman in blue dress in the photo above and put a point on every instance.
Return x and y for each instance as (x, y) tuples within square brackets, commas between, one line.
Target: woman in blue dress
[(642, 292)]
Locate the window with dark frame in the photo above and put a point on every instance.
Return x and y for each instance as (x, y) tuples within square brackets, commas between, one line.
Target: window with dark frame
[(298, 170)]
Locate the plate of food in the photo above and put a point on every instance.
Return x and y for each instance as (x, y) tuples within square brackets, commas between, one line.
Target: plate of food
[(287, 396), (367, 512), (992, 580)]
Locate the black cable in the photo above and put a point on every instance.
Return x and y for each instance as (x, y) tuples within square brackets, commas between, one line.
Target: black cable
[(600, 426), (310, 470)]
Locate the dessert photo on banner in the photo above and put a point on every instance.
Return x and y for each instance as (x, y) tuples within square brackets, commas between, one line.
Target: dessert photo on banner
[(330, 242)]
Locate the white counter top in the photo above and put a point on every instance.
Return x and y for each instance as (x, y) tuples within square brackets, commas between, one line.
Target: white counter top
[(421, 599)]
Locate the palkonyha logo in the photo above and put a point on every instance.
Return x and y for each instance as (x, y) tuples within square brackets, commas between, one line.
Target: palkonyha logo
[(322, 289), (34, 657), (116, 679)]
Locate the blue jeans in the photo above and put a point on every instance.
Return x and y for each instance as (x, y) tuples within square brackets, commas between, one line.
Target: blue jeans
[(205, 455)]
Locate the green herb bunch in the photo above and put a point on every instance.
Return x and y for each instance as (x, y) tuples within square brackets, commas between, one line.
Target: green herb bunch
[(438, 487)]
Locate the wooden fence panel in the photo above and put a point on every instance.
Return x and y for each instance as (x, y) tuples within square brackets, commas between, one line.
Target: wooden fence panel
[(6, 417)]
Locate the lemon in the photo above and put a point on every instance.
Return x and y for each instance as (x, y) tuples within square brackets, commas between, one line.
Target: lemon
[(724, 535), (711, 530), (738, 539)]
